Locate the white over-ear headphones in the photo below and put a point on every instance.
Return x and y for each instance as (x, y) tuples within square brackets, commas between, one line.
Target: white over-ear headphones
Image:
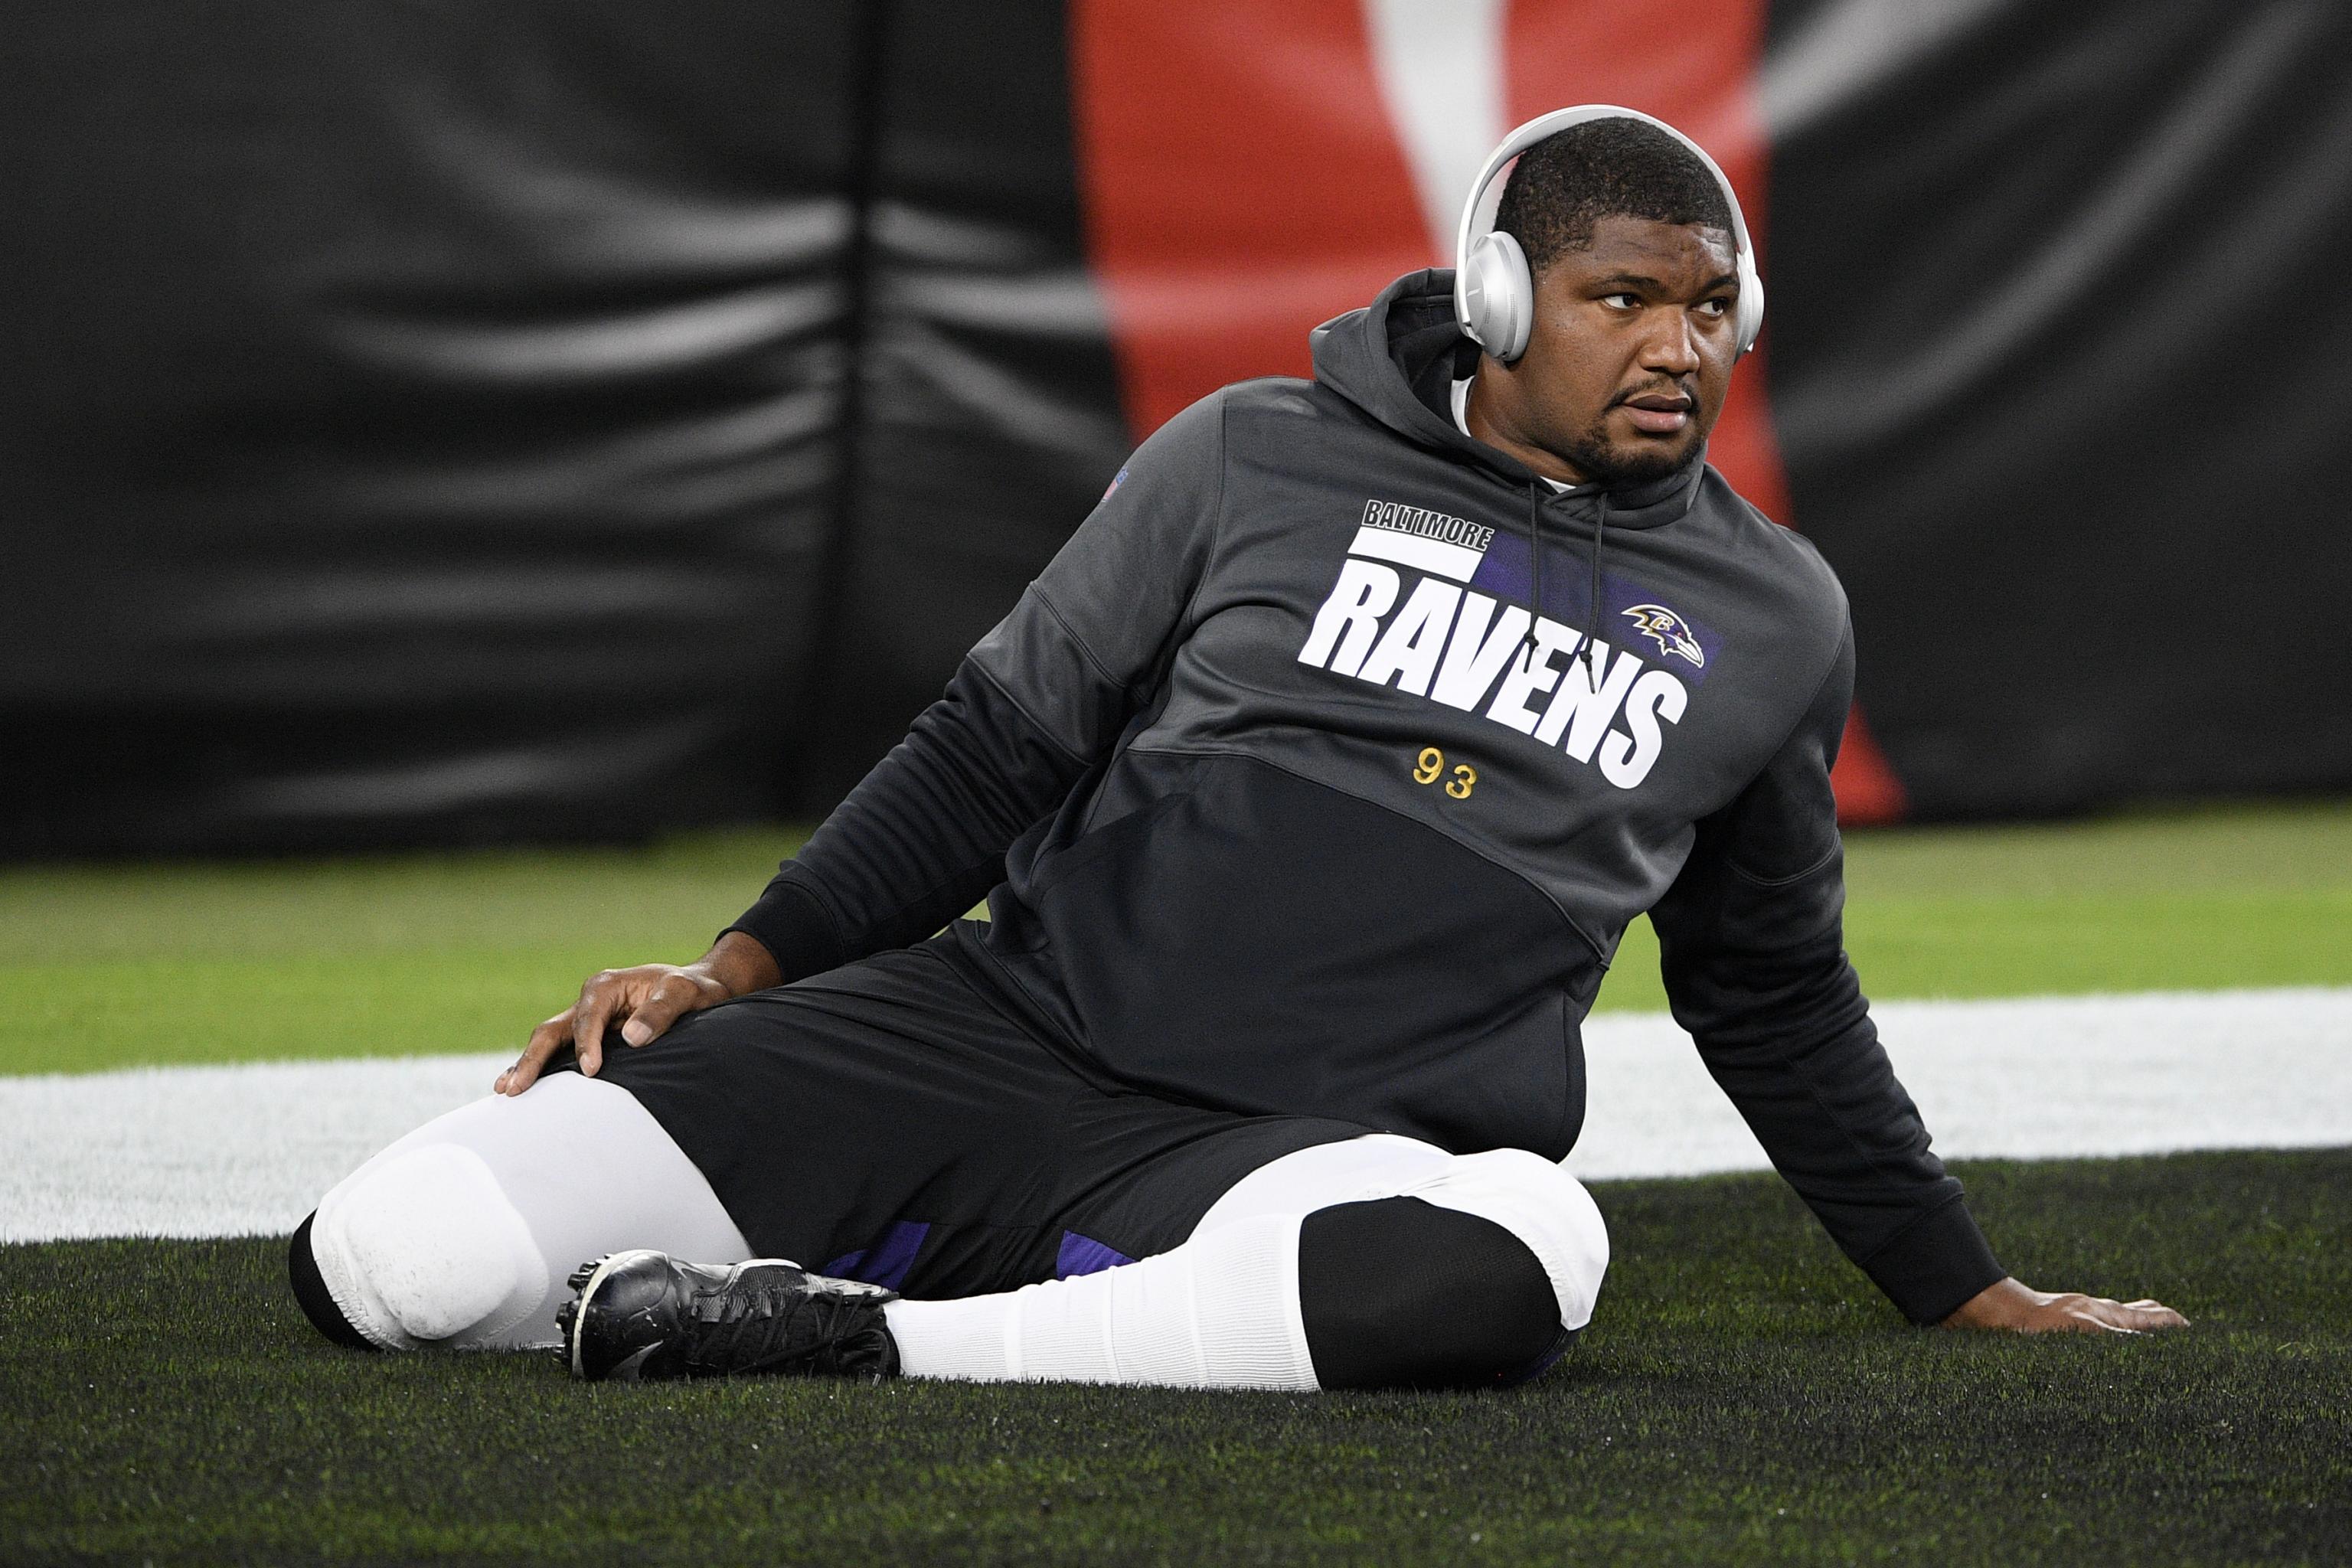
[(1494, 293)]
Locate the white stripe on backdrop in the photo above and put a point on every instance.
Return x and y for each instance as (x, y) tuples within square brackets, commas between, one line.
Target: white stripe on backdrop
[(229, 1150)]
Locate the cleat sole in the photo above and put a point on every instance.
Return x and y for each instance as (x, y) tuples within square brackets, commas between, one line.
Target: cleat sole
[(564, 1319)]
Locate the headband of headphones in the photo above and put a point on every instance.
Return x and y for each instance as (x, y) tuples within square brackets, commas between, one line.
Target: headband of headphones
[(1477, 229)]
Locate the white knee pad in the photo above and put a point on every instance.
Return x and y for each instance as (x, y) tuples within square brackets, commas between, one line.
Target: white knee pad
[(1524, 1192), (424, 1248), (462, 1233)]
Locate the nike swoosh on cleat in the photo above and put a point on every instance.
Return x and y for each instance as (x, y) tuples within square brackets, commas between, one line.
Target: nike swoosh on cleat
[(627, 1371)]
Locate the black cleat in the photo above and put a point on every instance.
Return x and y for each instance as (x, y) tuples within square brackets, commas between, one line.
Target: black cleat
[(643, 1314)]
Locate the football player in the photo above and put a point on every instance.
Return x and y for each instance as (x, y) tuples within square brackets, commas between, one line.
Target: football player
[(1311, 787)]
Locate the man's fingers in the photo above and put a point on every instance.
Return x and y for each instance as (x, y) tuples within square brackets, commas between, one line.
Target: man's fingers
[(588, 1038), (2023, 1310), (645, 1001), (672, 996), (2142, 1317), (588, 1016), (2086, 1315), (544, 1041), (2097, 1313), (2156, 1315)]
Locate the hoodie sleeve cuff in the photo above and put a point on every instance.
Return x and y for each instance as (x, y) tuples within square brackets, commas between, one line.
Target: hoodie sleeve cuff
[(1936, 1265), (790, 922)]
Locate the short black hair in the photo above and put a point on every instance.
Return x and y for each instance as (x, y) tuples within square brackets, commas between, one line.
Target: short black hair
[(1570, 180)]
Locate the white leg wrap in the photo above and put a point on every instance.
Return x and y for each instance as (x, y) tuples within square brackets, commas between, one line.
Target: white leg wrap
[(1376, 1165), (1221, 1310), (462, 1233)]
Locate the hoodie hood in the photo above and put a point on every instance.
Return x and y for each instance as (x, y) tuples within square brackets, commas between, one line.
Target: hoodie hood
[(1397, 360)]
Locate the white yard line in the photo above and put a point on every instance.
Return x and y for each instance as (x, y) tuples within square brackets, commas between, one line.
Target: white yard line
[(229, 1150), (2048, 1076)]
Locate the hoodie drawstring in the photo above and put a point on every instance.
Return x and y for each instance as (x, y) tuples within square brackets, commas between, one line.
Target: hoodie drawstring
[(1590, 633), (1535, 557)]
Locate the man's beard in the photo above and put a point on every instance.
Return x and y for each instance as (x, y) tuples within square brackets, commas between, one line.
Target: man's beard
[(1591, 453)]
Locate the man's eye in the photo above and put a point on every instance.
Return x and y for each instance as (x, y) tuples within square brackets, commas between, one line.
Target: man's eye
[(1621, 301), (1716, 310)]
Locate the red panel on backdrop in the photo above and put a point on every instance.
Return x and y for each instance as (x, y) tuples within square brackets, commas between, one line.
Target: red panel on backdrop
[(1242, 181)]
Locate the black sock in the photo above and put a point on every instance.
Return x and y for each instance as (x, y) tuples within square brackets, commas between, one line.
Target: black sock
[(310, 1291), (1400, 1293)]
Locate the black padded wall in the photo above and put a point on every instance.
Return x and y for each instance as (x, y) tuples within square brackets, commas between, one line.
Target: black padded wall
[(421, 421), (985, 413), (2063, 386)]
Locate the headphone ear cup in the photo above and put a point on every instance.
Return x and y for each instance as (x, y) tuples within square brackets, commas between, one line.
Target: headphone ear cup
[(1499, 296), (1751, 302)]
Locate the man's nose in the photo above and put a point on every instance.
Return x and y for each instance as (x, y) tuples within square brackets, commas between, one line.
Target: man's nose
[(1671, 345)]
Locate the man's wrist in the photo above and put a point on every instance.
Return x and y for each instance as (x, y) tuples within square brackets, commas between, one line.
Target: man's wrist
[(1934, 1265), (1998, 1305), (790, 925), (740, 964)]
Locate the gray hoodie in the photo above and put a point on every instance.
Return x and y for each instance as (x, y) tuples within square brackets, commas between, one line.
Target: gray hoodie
[(1310, 778)]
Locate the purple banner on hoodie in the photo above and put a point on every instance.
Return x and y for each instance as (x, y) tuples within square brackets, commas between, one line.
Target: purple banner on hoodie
[(1637, 618)]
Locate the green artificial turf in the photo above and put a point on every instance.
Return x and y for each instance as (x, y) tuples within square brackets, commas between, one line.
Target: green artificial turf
[(1744, 1396), (134, 964)]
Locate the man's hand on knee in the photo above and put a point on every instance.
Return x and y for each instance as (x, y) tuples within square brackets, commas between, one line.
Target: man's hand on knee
[(645, 1001), (2013, 1305)]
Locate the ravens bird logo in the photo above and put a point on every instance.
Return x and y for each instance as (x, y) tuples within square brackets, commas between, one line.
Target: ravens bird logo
[(1669, 631)]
